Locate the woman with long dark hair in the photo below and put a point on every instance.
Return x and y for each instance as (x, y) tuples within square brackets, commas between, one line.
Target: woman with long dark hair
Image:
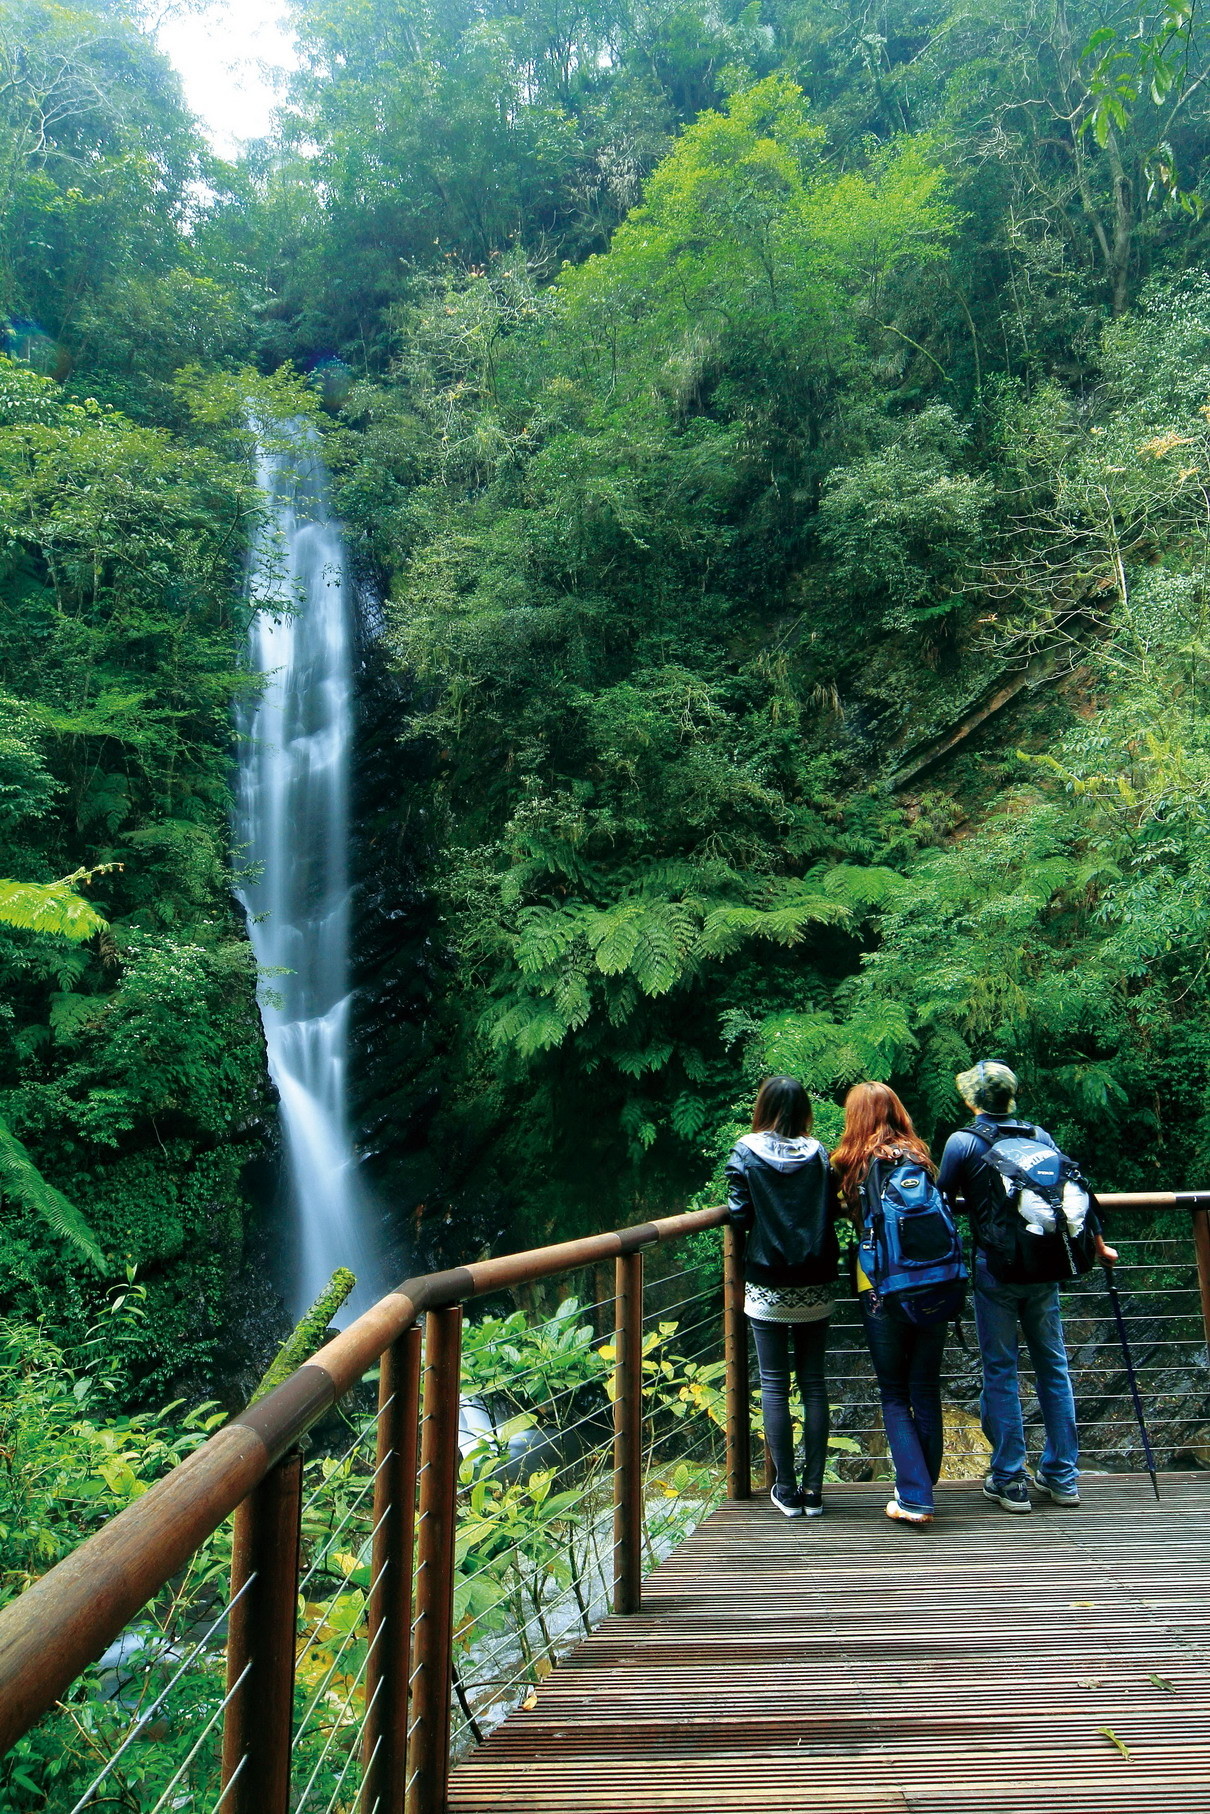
[(781, 1191), (906, 1357)]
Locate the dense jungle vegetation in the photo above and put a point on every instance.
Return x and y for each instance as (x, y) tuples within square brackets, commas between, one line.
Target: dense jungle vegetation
[(780, 434)]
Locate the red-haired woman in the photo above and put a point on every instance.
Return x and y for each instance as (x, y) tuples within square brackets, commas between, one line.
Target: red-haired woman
[(907, 1359), (781, 1191)]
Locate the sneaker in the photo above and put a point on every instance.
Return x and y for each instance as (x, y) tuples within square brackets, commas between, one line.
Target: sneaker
[(902, 1515), (1062, 1495), (788, 1504), (812, 1503), (1014, 1497)]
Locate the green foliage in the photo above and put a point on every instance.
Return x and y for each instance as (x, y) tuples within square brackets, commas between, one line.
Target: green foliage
[(130, 1055), (1066, 929), (99, 168), (532, 1368), (54, 908), (71, 1456), (22, 1184), (421, 137), (903, 528), (659, 831), (791, 488)]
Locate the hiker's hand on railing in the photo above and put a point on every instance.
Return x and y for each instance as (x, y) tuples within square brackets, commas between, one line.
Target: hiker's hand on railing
[(1108, 1256)]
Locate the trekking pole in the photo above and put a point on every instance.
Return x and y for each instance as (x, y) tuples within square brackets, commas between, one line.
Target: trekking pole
[(1130, 1373)]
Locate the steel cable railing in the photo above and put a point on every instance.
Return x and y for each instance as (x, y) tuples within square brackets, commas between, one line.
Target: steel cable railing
[(1163, 1313), (145, 1715), (562, 1609), (406, 1592), (203, 1735)]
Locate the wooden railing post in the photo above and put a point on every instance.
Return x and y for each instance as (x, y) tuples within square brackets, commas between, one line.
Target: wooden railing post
[(434, 1640), (628, 1434), (1201, 1243), (261, 1640), (389, 1664), (735, 1353)]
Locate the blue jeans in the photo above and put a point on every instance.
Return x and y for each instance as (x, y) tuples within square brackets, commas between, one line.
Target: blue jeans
[(907, 1366), (806, 1344), (999, 1309)]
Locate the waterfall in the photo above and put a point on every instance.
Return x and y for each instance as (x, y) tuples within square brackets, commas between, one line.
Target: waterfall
[(292, 851)]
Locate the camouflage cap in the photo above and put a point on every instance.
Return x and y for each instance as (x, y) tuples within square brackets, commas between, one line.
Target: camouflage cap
[(988, 1086)]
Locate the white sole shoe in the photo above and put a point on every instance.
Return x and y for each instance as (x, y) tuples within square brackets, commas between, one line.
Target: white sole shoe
[(787, 1511), (1010, 1505), (901, 1515), (1060, 1495)]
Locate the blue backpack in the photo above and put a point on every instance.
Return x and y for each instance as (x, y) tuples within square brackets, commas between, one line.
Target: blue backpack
[(911, 1250)]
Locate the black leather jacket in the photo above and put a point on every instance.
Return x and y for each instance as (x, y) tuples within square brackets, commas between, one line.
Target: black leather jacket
[(785, 1195)]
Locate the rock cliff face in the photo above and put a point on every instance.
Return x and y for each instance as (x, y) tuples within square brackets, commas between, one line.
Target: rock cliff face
[(422, 1155), (1170, 1359)]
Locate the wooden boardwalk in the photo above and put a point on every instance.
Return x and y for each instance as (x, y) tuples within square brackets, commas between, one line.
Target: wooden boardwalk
[(850, 1664)]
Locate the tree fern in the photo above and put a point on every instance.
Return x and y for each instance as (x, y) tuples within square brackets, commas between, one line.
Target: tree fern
[(614, 936), (689, 1115), (23, 1184), (528, 1022), (648, 1058), (662, 953), (860, 887), (544, 937)]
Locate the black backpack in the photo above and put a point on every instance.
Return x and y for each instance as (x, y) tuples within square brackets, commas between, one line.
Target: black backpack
[(1042, 1222)]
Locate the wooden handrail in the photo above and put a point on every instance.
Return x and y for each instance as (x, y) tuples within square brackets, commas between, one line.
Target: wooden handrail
[(61, 1624), (1155, 1199)]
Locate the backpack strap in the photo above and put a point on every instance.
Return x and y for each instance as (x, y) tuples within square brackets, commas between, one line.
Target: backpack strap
[(874, 1182), (869, 1193), (986, 1129), (1014, 1173)]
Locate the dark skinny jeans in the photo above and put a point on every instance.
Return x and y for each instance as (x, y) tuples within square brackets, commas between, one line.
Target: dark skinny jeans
[(907, 1366), (807, 1343)]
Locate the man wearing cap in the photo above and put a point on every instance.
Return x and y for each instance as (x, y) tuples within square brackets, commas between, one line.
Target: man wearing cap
[(967, 1177)]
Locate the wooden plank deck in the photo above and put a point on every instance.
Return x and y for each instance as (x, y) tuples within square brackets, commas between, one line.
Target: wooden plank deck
[(851, 1664)]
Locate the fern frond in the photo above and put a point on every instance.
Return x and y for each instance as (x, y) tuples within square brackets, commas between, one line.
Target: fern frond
[(638, 1125), (688, 1116), (70, 1014), (726, 928), (613, 936), (51, 907), (572, 999), (649, 1058), (544, 937), (22, 1183), (666, 937), (860, 887), (528, 1023), (543, 1029)]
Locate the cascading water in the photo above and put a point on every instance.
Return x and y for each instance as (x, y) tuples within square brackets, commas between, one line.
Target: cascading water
[(292, 848)]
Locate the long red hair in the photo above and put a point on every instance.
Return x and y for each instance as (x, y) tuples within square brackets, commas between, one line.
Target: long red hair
[(876, 1125)]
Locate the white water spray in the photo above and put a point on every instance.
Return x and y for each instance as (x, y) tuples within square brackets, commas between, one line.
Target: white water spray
[(292, 842)]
